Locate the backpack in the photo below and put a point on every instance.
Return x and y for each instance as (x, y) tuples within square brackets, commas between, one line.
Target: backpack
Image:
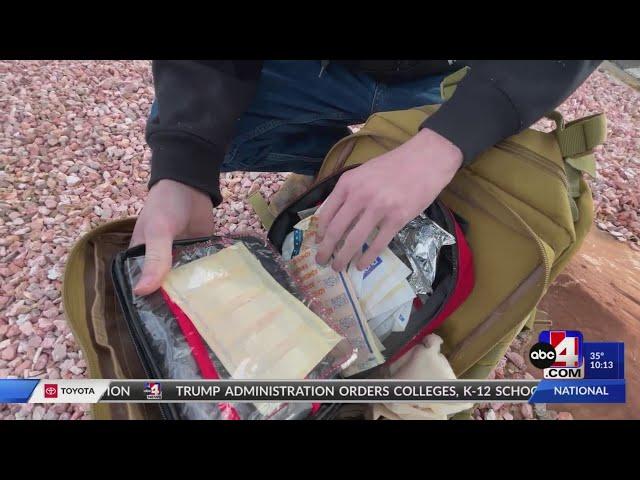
[(527, 209), (519, 212)]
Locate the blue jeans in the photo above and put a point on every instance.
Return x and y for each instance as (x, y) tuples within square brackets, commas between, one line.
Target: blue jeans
[(298, 115)]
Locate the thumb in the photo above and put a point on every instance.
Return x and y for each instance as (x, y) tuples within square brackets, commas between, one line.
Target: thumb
[(157, 263)]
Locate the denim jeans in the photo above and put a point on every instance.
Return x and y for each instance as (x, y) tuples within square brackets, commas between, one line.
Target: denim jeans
[(297, 115)]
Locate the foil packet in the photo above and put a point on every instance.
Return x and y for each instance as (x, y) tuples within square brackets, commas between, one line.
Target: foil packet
[(420, 242)]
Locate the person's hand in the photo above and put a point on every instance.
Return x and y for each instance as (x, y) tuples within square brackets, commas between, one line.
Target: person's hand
[(172, 210), (386, 192)]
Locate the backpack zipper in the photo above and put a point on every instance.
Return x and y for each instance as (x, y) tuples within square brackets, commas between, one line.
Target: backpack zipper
[(543, 162), (529, 230)]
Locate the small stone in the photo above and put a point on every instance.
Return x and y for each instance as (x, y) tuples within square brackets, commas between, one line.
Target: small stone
[(13, 331), (72, 180), (26, 328), (41, 362), (516, 359), (38, 413), (9, 353), (540, 409), (19, 370), (59, 352), (53, 274), (490, 414), (60, 324), (51, 312), (527, 411), (50, 415)]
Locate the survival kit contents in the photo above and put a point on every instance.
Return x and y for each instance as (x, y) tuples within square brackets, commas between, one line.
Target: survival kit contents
[(236, 307)]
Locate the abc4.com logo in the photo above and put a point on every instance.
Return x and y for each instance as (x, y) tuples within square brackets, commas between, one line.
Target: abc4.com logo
[(559, 354)]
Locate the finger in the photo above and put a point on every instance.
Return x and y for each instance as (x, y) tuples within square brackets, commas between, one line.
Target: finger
[(329, 209), (356, 238), (137, 237), (157, 263), (384, 236), (336, 230)]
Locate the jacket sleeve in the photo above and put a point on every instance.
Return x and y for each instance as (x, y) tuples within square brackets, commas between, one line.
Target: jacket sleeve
[(499, 98), (193, 118)]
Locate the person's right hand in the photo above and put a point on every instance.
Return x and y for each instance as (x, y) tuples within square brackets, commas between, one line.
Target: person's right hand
[(172, 210)]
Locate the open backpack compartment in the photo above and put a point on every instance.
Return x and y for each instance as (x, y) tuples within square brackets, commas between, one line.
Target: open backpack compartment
[(167, 350)]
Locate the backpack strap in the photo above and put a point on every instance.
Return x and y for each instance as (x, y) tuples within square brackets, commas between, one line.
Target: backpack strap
[(261, 207), (581, 136), (450, 82), (577, 139)]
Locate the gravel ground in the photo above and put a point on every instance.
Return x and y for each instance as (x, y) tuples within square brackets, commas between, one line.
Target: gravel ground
[(73, 156)]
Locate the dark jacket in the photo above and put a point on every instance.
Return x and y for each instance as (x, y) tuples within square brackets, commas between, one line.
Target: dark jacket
[(200, 102)]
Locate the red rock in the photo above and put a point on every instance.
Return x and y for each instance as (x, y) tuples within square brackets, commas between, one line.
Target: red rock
[(19, 370), (9, 353), (13, 331), (565, 416), (26, 328), (527, 411), (51, 312), (41, 363)]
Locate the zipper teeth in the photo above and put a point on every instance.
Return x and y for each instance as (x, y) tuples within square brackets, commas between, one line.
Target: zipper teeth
[(138, 350), (527, 154), (136, 345)]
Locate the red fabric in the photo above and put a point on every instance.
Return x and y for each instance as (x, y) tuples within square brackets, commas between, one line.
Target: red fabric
[(462, 289), (199, 352), (193, 338)]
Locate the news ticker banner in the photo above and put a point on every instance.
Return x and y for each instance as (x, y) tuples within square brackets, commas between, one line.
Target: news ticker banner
[(574, 371), (324, 391)]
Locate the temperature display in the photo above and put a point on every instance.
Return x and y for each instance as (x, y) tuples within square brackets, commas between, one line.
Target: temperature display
[(604, 360)]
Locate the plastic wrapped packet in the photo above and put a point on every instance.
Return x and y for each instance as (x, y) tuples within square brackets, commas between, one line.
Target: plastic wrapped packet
[(175, 358), (336, 294), (420, 242)]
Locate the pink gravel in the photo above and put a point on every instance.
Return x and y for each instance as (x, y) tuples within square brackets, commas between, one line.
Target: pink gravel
[(73, 156), (616, 190)]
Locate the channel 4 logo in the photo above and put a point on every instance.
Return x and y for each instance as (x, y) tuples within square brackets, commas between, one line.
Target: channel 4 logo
[(153, 390), (559, 353)]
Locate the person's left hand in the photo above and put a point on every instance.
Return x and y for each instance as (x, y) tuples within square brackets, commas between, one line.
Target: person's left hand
[(386, 192)]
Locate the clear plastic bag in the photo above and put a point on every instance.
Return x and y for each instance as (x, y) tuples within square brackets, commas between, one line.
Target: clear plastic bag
[(174, 356)]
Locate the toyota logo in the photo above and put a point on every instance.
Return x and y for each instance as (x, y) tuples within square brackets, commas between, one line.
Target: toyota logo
[(50, 390)]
